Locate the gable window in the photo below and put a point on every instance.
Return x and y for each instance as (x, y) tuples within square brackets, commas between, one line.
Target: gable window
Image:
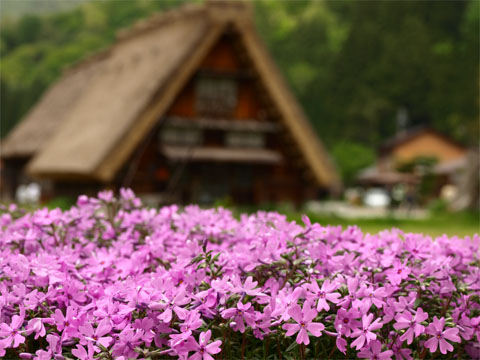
[(181, 136), (215, 96), (245, 139)]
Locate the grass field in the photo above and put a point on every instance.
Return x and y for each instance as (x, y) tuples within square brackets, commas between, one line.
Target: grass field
[(460, 224)]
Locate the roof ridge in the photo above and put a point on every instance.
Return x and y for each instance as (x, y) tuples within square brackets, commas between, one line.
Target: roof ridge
[(158, 19), (140, 27)]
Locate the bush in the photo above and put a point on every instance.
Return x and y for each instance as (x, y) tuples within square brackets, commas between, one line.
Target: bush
[(111, 279)]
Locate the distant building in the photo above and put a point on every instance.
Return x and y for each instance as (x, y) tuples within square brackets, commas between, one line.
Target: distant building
[(186, 106), (418, 143), (400, 159)]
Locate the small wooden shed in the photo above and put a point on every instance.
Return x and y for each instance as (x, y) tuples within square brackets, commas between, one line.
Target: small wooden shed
[(419, 142), (187, 106), (447, 156)]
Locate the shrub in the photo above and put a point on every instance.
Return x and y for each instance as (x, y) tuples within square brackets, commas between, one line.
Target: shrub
[(111, 279)]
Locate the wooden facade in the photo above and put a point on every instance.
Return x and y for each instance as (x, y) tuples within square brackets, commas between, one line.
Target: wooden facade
[(213, 119), (234, 147)]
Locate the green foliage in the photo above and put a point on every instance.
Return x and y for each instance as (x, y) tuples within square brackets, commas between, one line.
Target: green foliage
[(62, 202), (351, 157)]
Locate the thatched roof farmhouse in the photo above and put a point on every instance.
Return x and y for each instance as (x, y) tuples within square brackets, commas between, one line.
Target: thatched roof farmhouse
[(179, 98)]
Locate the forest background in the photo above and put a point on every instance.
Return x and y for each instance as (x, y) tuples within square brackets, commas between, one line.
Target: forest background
[(360, 69)]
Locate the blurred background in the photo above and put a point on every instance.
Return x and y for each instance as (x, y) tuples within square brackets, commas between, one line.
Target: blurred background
[(391, 89)]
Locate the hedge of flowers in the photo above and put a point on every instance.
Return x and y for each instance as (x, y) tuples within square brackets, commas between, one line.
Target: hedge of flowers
[(110, 279)]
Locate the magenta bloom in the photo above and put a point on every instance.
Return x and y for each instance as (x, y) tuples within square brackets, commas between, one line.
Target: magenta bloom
[(398, 273), (346, 321), (326, 292), (365, 334), (375, 352), (96, 336), (241, 313), (203, 349), (11, 333), (408, 321), (83, 354), (304, 318), (439, 335)]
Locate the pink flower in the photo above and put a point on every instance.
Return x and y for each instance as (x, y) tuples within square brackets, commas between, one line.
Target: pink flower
[(241, 313), (375, 352), (304, 318), (13, 335), (398, 273), (203, 349), (407, 321), (36, 325), (83, 354), (346, 321), (439, 335), (96, 336), (365, 334), (248, 287), (127, 340), (326, 292)]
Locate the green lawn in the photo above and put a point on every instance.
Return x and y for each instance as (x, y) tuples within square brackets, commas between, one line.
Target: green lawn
[(461, 224)]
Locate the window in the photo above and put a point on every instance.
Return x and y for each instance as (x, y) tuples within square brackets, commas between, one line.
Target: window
[(215, 96), (244, 139), (181, 136)]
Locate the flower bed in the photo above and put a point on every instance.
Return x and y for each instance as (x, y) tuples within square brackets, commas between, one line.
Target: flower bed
[(112, 279)]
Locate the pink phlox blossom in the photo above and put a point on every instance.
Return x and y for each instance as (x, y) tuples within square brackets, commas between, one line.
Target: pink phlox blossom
[(400, 352), (127, 341), (147, 325), (262, 323), (399, 272), (370, 296), (284, 303), (171, 303), (475, 324), (83, 354), (304, 318), (96, 336), (72, 294), (247, 288), (54, 350), (353, 292), (37, 326), (417, 245), (412, 323), (242, 312), (405, 303), (204, 348), (205, 302), (346, 321), (326, 292), (374, 352), (365, 332), (473, 278), (340, 342), (192, 322), (182, 339), (109, 310), (439, 336), (106, 196), (11, 334), (69, 322)]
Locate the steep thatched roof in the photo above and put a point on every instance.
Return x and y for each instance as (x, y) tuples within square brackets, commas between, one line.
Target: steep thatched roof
[(120, 97), (34, 131)]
